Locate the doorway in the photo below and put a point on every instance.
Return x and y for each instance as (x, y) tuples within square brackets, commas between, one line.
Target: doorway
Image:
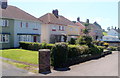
[(35, 38)]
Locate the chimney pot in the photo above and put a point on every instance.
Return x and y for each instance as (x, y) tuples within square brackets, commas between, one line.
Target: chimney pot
[(78, 19), (55, 12), (87, 21)]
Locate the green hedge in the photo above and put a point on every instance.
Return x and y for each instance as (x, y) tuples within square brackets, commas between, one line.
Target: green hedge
[(35, 46), (63, 54), (112, 48), (59, 55)]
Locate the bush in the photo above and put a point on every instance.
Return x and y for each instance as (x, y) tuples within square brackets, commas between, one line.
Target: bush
[(98, 43), (59, 55), (112, 48), (35, 46), (84, 40), (96, 50), (72, 41), (73, 51), (49, 46), (106, 44)]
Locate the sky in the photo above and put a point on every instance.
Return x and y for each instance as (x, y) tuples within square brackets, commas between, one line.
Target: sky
[(104, 12)]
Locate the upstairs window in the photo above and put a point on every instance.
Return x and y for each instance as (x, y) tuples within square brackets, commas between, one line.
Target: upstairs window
[(26, 25), (5, 23), (21, 24), (54, 28), (61, 28)]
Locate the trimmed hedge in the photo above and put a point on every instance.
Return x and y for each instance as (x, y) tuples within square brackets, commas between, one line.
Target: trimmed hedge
[(35, 46), (63, 55), (59, 55), (112, 48)]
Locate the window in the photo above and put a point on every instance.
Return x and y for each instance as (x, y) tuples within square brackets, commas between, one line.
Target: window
[(27, 25), (5, 23), (54, 28), (61, 28), (21, 24), (4, 38), (25, 38)]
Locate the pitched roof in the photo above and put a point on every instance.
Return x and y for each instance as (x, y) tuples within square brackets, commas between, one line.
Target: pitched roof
[(13, 12), (80, 25), (50, 18), (118, 30)]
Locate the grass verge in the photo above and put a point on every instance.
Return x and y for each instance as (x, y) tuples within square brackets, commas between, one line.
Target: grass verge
[(20, 55)]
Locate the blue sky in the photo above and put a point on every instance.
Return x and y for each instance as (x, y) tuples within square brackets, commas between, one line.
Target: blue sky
[(105, 12)]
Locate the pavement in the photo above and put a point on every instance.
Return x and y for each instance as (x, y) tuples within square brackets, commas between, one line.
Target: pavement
[(105, 66)]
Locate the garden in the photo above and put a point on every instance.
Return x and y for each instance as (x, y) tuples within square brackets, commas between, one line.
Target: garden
[(64, 54)]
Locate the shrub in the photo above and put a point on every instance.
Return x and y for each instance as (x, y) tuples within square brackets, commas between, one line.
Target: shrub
[(49, 46), (73, 51), (98, 43), (84, 40), (72, 41), (96, 50), (59, 55), (112, 48), (35, 46), (106, 44)]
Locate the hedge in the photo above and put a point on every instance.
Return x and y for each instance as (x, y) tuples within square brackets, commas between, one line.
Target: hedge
[(59, 55), (35, 46), (63, 55)]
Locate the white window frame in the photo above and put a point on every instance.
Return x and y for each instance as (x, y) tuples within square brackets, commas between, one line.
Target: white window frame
[(6, 38), (5, 23)]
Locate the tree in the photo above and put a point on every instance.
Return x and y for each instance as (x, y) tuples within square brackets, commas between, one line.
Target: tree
[(86, 31)]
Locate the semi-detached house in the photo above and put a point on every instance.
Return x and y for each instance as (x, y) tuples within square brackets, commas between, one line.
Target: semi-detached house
[(55, 26), (17, 25)]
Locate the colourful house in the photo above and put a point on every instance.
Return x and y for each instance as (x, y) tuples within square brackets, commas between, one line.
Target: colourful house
[(55, 27), (17, 25)]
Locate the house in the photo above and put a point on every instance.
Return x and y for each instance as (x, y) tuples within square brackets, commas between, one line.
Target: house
[(113, 37), (17, 25), (55, 27), (81, 26), (95, 30)]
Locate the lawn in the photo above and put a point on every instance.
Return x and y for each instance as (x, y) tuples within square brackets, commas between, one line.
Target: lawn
[(20, 55), (104, 33)]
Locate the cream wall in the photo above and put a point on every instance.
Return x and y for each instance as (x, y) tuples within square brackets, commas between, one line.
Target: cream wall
[(46, 31), (73, 30)]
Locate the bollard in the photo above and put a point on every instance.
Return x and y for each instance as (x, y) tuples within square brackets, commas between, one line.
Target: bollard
[(44, 60)]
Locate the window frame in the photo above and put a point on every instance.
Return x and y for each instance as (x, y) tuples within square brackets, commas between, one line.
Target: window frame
[(4, 38)]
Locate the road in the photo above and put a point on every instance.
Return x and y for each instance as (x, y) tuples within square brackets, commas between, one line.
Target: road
[(105, 66), (10, 70)]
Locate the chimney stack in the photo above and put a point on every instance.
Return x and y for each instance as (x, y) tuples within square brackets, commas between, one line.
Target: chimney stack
[(78, 19), (55, 12), (3, 4), (87, 21)]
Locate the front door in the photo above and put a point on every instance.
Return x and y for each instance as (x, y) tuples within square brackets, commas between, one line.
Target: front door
[(35, 38)]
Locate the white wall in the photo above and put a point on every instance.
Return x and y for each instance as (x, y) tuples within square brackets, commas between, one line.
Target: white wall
[(113, 32), (112, 38), (30, 29)]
